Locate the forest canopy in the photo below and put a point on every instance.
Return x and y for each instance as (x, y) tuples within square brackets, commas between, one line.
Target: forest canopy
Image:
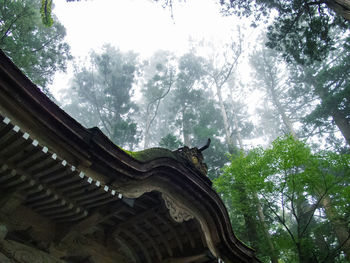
[(39, 51), (277, 111)]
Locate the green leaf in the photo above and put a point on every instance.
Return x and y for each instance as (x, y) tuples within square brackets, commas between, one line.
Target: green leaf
[(45, 12)]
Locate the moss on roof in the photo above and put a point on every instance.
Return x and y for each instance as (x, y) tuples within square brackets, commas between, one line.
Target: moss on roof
[(152, 154)]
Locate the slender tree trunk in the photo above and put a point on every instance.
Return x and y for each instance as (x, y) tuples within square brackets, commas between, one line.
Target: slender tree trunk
[(273, 254), (250, 222), (146, 142), (339, 225), (282, 112), (185, 129), (249, 218), (304, 213), (228, 138), (151, 116), (235, 122), (271, 84)]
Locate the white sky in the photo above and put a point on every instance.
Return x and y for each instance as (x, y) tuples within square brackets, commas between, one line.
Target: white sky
[(139, 25)]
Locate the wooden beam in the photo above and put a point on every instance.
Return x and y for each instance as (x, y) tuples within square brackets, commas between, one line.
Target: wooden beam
[(136, 218), (136, 240), (186, 259), (100, 216), (63, 232), (172, 230), (189, 234), (126, 246), (10, 201), (151, 240), (18, 252), (161, 235)]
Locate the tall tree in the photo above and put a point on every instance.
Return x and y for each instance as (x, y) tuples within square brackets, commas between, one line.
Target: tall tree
[(302, 30), (314, 94), (39, 51), (160, 77), (271, 75), (265, 65), (188, 93), (209, 125), (329, 84), (221, 69), (104, 89)]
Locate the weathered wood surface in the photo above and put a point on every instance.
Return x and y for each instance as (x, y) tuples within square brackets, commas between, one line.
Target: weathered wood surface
[(14, 252)]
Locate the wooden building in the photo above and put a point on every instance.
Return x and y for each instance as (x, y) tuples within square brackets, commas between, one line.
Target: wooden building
[(68, 194)]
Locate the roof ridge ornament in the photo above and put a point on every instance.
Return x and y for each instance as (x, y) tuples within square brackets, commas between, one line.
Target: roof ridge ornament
[(194, 157), (205, 146)]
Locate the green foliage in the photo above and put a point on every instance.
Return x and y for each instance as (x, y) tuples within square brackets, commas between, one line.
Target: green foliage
[(125, 133), (209, 124), (103, 91), (170, 141), (187, 95), (39, 51), (271, 78), (177, 89), (45, 12), (292, 183), (301, 30), (159, 74), (326, 84), (316, 95)]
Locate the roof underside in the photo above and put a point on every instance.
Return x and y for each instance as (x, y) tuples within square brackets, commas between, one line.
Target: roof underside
[(141, 228), (71, 193)]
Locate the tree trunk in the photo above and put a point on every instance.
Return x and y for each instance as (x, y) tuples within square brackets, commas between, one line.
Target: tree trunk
[(146, 142), (250, 222), (185, 129), (343, 124), (304, 214), (339, 118), (282, 112), (341, 7), (236, 124), (304, 255), (273, 254), (228, 138), (339, 225)]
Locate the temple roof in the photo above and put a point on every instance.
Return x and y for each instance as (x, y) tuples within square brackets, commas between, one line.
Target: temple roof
[(152, 206)]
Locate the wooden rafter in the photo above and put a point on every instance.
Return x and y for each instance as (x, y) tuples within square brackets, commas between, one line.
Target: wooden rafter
[(189, 235), (164, 239), (151, 240), (188, 259), (123, 243), (172, 230), (137, 241), (134, 219)]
